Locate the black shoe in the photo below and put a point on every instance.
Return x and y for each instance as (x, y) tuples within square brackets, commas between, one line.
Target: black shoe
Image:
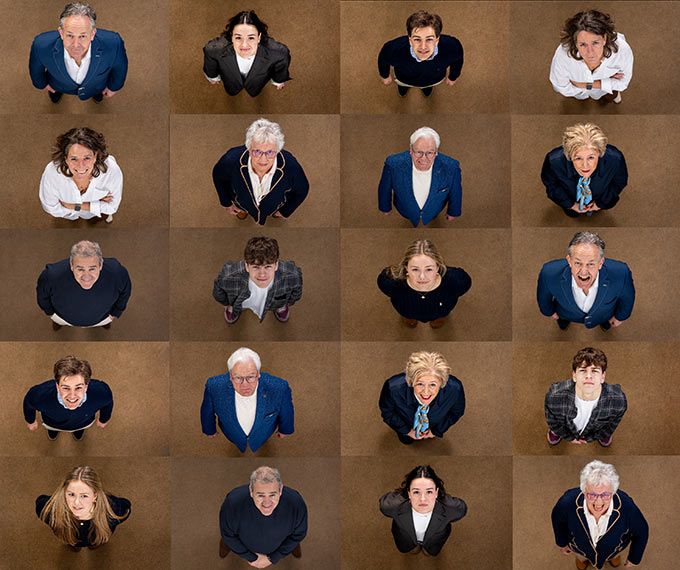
[(78, 434), (107, 326), (55, 97), (52, 434), (224, 549), (98, 98), (402, 90), (571, 213), (297, 551), (605, 326), (563, 324), (427, 91), (55, 326), (405, 439)]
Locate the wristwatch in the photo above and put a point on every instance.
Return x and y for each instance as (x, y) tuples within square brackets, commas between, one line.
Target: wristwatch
[(589, 86), (77, 208)]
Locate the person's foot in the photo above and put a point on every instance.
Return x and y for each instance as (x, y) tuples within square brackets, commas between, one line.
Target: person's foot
[(405, 439), (410, 323), (581, 565), (109, 218), (78, 434), (563, 324), (74, 548), (616, 561), (282, 314), (297, 551), (55, 97), (553, 438), (94, 546), (606, 442), (224, 549), (402, 91), (438, 323), (52, 434), (617, 99), (242, 215), (55, 326), (98, 98), (107, 326), (229, 316), (605, 326), (427, 91)]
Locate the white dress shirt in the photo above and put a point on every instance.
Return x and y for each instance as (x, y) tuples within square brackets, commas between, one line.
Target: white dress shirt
[(245, 410), (597, 529), (75, 71), (258, 297), (565, 68), (585, 302), (584, 409), (420, 523), (422, 181), (54, 186), (263, 187)]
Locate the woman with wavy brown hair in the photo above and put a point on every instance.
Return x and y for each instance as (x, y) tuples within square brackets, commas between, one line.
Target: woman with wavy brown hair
[(80, 513)]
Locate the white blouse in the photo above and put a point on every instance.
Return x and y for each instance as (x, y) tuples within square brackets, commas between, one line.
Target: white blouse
[(565, 68), (54, 186)]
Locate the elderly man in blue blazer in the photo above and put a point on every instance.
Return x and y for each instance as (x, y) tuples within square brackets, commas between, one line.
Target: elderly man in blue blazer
[(585, 287), (78, 59), (250, 405), (421, 182)]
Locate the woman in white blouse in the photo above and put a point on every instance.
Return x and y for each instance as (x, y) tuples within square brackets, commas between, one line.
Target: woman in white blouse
[(592, 60), (83, 180)]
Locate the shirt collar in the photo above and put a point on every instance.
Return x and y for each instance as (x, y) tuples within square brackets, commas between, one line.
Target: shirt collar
[(414, 56), (86, 57)]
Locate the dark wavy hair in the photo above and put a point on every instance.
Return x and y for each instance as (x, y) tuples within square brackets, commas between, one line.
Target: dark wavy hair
[(590, 21), (590, 357), (246, 17), (426, 472), (71, 366), (423, 19), (261, 250), (83, 136)]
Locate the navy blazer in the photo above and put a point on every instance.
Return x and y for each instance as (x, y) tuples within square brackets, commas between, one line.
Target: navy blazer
[(607, 182), (615, 293), (627, 526), (397, 178), (274, 410), (108, 64), (271, 62), (398, 405), (288, 190), (446, 511)]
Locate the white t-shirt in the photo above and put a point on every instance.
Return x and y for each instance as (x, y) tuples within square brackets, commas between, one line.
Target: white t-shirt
[(258, 297), (584, 409), (420, 523), (422, 180)]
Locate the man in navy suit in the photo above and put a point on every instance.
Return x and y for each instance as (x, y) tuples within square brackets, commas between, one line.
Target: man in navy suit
[(585, 287), (250, 405), (421, 182), (78, 59)]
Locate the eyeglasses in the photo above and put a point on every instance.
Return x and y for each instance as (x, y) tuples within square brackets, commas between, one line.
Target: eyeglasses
[(268, 153), (242, 379), (594, 496), (421, 153)]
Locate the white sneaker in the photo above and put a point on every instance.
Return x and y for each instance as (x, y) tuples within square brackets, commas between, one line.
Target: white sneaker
[(109, 218), (617, 99)]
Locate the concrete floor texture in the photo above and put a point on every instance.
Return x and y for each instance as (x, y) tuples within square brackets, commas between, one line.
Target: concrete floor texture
[(168, 126)]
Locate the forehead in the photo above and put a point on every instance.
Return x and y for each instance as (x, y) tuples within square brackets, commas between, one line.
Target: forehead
[(77, 24), (244, 366), (71, 380), (585, 36), (423, 32), (584, 364), (421, 260), (427, 379), (422, 483), (424, 143), (585, 151), (604, 487), (81, 261), (79, 487), (264, 146), (78, 149), (266, 488), (585, 250), (245, 30)]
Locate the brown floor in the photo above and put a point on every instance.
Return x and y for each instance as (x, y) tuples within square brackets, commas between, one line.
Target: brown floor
[(145, 88), (482, 539), (198, 257), (655, 315), (312, 36), (198, 142), (483, 313), (482, 367), (142, 252), (538, 483), (29, 543), (485, 168), (200, 485), (535, 34), (649, 145), (138, 377), (138, 143), (482, 29), (646, 372), (311, 370)]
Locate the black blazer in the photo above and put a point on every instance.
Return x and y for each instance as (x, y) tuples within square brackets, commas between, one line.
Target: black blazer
[(271, 62), (446, 511)]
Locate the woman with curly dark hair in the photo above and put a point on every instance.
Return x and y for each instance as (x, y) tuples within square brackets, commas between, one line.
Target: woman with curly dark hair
[(83, 180)]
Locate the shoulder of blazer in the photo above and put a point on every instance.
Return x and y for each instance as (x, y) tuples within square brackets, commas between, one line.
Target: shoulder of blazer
[(47, 40), (399, 160), (555, 269), (104, 38), (277, 49), (616, 269), (273, 383), (218, 47), (287, 268), (447, 162), (392, 503), (562, 388)]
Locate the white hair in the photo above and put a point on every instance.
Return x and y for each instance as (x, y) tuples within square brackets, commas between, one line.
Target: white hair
[(264, 131), (596, 473), (425, 132), (244, 354)]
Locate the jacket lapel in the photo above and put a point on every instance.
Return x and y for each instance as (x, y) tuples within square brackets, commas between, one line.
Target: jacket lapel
[(436, 522), (565, 285), (58, 57), (406, 175), (95, 59), (228, 57), (405, 520), (435, 182), (602, 288)]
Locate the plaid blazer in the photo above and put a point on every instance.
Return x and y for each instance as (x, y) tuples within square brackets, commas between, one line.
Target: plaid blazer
[(231, 286), (560, 411)]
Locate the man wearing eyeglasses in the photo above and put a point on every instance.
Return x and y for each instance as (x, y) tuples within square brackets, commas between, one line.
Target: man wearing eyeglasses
[(597, 522), (421, 182), (249, 405)]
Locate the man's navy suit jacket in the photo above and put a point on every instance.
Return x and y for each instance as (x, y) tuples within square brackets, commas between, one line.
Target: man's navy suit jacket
[(108, 64), (445, 187), (615, 293)]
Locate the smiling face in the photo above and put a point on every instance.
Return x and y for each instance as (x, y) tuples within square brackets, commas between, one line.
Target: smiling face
[(426, 387), (267, 152), (245, 39), (80, 498), (423, 494), (421, 273), (585, 262), (80, 161), (590, 47), (244, 377), (423, 153), (72, 389), (86, 270), (598, 505), (77, 35), (588, 380), (423, 41), (585, 161), (262, 274), (266, 496)]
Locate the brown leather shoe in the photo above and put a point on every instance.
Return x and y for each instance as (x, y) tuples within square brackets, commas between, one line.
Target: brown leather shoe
[(297, 551), (224, 549), (55, 326), (438, 323), (616, 561), (74, 548), (242, 215), (410, 323), (582, 565)]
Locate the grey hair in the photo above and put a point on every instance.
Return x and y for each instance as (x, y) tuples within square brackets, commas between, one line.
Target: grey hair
[(425, 132), (586, 238), (78, 9), (86, 249), (263, 131), (265, 474), (244, 354), (597, 472)]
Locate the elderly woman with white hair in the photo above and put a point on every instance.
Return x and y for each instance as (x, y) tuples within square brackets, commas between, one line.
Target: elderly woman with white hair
[(260, 178), (585, 174), (597, 521)]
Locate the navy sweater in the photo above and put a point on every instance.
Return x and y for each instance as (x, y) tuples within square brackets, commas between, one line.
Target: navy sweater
[(397, 53), (43, 398), (59, 292)]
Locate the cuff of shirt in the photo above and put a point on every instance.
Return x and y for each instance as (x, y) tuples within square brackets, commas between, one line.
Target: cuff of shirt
[(95, 208), (606, 85), (275, 83), (218, 78)]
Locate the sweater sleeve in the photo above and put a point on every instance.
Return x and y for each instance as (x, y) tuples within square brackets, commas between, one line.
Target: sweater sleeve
[(295, 537), (386, 284), (30, 405), (106, 410), (121, 507), (40, 503), (124, 292), (44, 293), (230, 534), (383, 61)]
